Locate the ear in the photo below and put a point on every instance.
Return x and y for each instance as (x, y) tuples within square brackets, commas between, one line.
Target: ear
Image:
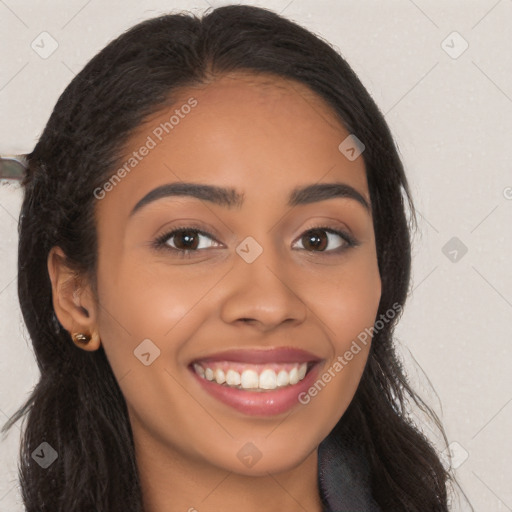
[(73, 300)]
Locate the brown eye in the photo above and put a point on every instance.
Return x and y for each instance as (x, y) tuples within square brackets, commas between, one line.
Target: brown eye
[(315, 240), (186, 240), (325, 240)]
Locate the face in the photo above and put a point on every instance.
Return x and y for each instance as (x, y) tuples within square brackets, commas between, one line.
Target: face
[(264, 281)]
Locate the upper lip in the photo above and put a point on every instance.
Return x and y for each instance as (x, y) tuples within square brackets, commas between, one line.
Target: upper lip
[(262, 356)]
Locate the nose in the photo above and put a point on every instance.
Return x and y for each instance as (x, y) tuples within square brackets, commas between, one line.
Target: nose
[(262, 294)]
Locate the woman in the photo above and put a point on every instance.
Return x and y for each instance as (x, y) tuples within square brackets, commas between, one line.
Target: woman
[(213, 254)]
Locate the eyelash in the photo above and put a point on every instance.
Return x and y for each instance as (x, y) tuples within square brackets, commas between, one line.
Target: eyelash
[(161, 241)]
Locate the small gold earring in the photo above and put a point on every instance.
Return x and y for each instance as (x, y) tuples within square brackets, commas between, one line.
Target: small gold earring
[(81, 338)]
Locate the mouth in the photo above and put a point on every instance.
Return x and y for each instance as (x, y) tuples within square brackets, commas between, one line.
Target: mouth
[(254, 377), (257, 382)]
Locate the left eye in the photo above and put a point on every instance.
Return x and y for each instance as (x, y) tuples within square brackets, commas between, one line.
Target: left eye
[(318, 239)]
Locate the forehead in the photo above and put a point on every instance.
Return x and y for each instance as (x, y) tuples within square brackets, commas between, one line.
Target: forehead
[(258, 133)]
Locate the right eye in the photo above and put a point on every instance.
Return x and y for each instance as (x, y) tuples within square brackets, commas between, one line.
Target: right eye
[(185, 240)]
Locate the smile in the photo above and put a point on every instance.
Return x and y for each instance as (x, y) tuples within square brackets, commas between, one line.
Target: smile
[(251, 376), (257, 382)]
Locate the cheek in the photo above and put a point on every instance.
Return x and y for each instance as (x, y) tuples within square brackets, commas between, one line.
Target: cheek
[(145, 319), (347, 306), (138, 303), (348, 299)]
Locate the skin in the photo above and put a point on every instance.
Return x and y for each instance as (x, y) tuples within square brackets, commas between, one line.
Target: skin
[(264, 137)]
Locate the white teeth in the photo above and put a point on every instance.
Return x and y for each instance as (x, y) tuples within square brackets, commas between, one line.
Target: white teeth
[(268, 379), (220, 378), (303, 368), (283, 378), (249, 379), (199, 369), (232, 378)]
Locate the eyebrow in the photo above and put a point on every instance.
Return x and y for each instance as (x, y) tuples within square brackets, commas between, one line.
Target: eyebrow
[(231, 198)]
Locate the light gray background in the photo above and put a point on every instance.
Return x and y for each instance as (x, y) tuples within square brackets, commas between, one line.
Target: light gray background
[(452, 121)]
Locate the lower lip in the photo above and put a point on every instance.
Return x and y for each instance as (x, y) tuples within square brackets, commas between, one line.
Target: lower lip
[(260, 403)]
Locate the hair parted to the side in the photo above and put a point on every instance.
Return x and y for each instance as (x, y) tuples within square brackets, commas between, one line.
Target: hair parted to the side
[(77, 405)]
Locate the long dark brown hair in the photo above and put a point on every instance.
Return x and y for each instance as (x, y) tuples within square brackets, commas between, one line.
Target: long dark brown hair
[(77, 406)]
